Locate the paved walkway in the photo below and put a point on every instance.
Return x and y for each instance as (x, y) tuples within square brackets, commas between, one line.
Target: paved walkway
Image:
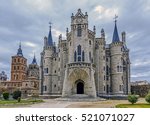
[(51, 103)]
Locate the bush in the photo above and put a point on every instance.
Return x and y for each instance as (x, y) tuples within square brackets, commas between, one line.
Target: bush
[(16, 94), (19, 99), (133, 98), (6, 95), (147, 98)]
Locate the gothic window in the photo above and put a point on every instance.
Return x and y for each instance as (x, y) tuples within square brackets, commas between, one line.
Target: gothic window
[(55, 71), (79, 53), (107, 78), (117, 68), (83, 56), (104, 88), (45, 88), (45, 70), (79, 50), (14, 60), (107, 70), (120, 87), (75, 56), (104, 77), (16, 77), (18, 60), (104, 68), (54, 86), (79, 30), (79, 58), (89, 42), (90, 56), (106, 59)]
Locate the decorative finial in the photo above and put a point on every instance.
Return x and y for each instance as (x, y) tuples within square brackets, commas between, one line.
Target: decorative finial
[(50, 25), (67, 30), (60, 36), (115, 18), (20, 44), (102, 33), (94, 29)]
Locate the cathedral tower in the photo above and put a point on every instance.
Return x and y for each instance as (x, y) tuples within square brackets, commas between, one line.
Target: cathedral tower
[(18, 66)]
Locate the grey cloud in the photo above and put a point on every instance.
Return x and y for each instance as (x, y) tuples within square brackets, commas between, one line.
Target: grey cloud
[(20, 22)]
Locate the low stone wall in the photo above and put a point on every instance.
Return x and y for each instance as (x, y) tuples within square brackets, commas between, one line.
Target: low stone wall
[(141, 90)]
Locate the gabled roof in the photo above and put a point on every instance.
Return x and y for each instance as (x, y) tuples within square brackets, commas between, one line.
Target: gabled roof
[(79, 14)]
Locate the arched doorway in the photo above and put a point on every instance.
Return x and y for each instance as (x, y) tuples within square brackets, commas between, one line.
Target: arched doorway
[(80, 87)]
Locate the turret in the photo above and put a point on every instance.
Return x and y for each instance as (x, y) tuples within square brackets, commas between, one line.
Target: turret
[(116, 63), (123, 36), (102, 33), (34, 60)]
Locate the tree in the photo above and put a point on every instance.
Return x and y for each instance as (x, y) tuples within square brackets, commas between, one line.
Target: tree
[(6, 95), (133, 98), (147, 98), (16, 94)]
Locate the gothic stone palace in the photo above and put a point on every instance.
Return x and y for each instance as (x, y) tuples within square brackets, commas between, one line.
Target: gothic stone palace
[(84, 64)]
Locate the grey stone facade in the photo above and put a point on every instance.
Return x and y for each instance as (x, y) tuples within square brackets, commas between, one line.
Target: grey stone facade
[(84, 64)]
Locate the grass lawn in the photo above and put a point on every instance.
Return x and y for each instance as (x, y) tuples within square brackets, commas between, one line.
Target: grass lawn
[(138, 105), (22, 102)]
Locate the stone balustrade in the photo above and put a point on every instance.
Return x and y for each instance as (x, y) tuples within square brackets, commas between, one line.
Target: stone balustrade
[(80, 65)]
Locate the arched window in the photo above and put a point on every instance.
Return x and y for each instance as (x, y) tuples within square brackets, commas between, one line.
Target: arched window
[(79, 30), (90, 42), (107, 70), (75, 56), (83, 56), (79, 52), (79, 49), (90, 56), (117, 68), (79, 58)]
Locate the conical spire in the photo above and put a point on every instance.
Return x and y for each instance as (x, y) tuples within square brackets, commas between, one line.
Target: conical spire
[(50, 40), (34, 60), (19, 53), (115, 34)]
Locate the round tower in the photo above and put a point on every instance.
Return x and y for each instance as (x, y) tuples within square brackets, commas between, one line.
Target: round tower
[(116, 63), (48, 52)]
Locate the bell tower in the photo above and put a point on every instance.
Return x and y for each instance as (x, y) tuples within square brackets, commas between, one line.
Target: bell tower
[(18, 66)]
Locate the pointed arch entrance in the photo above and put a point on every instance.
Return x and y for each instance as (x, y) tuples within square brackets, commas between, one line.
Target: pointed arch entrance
[(80, 86)]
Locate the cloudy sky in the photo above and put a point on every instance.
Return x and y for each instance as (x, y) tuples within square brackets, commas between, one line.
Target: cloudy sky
[(27, 21)]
